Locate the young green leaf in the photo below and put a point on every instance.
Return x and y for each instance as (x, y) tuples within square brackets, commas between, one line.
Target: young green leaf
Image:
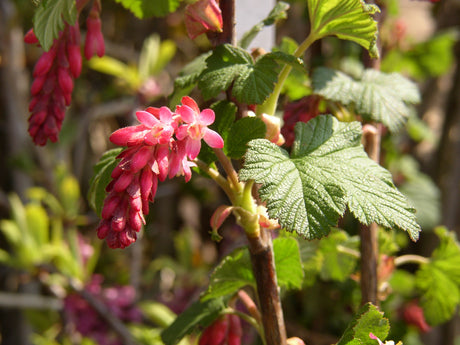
[(49, 20), (232, 274), (368, 320), (235, 271), (346, 19), (327, 171), (102, 171), (277, 13), (147, 8), (198, 314), (337, 263), (439, 280), (377, 96), (253, 82)]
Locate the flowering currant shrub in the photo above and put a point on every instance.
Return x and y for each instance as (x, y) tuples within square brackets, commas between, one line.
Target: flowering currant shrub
[(293, 183)]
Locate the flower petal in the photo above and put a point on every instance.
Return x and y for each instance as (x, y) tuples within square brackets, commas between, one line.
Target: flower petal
[(192, 148), (165, 115), (187, 114), (188, 101), (207, 117), (213, 139), (147, 119)]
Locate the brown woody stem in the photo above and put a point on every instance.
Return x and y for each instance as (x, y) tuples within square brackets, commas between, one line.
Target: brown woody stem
[(369, 233), (263, 265)]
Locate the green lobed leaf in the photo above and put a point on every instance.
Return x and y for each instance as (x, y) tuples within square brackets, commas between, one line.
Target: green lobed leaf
[(377, 96), (235, 271), (200, 313), (439, 280), (242, 132), (49, 20), (147, 8), (346, 19), (277, 13), (327, 171), (101, 178), (368, 320), (252, 82)]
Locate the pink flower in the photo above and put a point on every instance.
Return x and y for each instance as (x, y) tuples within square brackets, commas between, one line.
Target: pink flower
[(195, 127), (202, 16), (94, 43)]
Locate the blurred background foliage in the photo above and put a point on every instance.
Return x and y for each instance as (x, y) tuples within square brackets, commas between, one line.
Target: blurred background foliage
[(52, 264)]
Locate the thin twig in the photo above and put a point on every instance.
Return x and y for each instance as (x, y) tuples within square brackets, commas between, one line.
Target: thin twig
[(250, 305), (29, 301), (411, 259)]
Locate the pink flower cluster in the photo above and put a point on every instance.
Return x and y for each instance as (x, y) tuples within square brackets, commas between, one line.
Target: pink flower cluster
[(87, 321), (225, 330), (53, 84), (162, 146), (54, 75)]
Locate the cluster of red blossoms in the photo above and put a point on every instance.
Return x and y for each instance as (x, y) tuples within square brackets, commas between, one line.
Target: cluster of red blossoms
[(162, 146), (55, 72)]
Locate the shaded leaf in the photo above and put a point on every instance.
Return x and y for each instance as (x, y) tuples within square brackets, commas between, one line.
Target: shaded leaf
[(49, 20), (253, 82), (101, 178), (199, 314), (327, 171), (235, 271), (242, 132)]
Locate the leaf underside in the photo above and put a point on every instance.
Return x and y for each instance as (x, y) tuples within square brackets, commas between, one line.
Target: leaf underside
[(347, 19), (377, 96), (327, 171)]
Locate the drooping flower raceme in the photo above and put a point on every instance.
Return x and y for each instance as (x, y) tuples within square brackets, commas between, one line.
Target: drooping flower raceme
[(52, 87), (161, 146)]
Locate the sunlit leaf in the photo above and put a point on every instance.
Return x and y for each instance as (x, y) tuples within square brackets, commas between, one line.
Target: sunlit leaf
[(327, 171)]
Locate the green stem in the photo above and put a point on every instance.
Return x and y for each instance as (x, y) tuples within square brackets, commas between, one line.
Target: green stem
[(217, 177), (269, 106), (227, 165), (248, 319)]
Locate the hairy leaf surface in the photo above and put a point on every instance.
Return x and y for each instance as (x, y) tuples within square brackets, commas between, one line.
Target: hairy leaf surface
[(327, 171)]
